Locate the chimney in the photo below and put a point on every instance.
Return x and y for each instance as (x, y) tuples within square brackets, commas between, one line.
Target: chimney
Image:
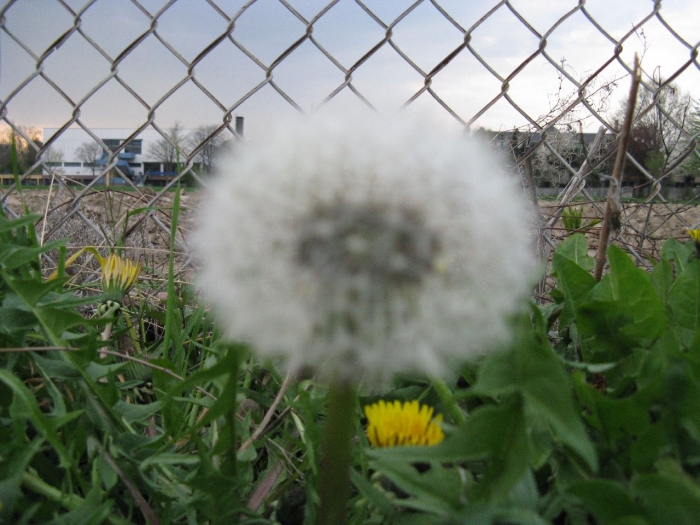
[(239, 126)]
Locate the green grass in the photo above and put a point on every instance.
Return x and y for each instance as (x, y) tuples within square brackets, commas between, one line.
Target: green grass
[(590, 416)]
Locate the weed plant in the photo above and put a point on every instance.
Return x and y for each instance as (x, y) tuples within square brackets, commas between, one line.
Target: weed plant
[(592, 415)]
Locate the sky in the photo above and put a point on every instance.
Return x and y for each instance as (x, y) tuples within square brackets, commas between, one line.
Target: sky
[(347, 30)]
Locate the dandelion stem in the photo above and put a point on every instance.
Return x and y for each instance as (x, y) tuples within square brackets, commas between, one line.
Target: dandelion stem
[(448, 401), (67, 501), (334, 477), (105, 336), (270, 412)]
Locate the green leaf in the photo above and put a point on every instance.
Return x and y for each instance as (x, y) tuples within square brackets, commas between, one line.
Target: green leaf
[(662, 279), (533, 370), (599, 325), (34, 414), (56, 368), (14, 256), (575, 248), (493, 433), (132, 412), (7, 225), (13, 320), (439, 489), (631, 286), (618, 419), (607, 500), (31, 290), (684, 303), (667, 499), (576, 284), (683, 393), (677, 253), (375, 496), (92, 511), (11, 468)]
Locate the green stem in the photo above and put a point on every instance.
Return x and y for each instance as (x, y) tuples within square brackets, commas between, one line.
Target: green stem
[(67, 501), (334, 477), (169, 336), (448, 401)]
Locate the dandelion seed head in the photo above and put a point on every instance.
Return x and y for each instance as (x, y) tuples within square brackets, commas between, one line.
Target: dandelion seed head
[(389, 245), (364, 249)]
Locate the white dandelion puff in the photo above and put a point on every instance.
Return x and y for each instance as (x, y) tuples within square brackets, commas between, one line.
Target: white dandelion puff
[(364, 249)]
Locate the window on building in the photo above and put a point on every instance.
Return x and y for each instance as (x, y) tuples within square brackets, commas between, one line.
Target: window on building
[(72, 164), (135, 165), (54, 164), (112, 144), (134, 147)]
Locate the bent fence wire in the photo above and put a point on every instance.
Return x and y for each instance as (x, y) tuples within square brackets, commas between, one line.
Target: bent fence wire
[(562, 154)]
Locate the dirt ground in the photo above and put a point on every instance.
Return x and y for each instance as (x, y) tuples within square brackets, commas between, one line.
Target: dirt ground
[(645, 227), (109, 218)]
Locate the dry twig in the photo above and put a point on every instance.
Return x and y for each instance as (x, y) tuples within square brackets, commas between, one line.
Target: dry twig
[(613, 207)]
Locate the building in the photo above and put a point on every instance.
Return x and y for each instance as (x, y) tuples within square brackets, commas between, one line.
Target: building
[(134, 160), (145, 158)]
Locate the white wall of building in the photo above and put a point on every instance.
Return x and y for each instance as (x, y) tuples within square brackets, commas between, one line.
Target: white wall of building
[(70, 140)]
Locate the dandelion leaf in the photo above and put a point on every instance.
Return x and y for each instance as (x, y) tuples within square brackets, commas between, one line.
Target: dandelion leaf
[(684, 303)]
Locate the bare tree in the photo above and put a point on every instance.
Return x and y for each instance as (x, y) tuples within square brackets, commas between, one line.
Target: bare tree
[(209, 148), (169, 150), (89, 153), (691, 166), (663, 118), (549, 169), (51, 158)]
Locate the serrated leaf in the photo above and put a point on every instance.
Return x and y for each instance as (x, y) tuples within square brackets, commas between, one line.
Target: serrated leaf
[(439, 489), (618, 418), (533, 370)]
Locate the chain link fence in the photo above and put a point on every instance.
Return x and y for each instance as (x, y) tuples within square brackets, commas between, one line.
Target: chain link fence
[(563, 153)]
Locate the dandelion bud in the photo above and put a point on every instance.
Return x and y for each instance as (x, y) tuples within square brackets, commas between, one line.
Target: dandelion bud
[(118, 276)]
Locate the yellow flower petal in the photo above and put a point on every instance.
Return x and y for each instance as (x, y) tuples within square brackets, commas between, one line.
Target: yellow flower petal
[(695, 234), (118, 275), (396, 424)]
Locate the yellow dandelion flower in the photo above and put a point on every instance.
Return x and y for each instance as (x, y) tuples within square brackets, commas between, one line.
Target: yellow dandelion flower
[(410, 423), (118, 275), (695, 234)]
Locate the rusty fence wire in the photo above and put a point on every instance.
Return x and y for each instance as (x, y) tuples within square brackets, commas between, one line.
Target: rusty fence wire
[(563, 153)]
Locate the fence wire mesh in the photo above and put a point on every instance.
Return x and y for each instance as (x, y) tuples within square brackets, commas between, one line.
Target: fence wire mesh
[(563, 153)]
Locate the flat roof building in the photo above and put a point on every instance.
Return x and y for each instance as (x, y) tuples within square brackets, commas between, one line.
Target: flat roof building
[(77, 155), (147, 157)]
